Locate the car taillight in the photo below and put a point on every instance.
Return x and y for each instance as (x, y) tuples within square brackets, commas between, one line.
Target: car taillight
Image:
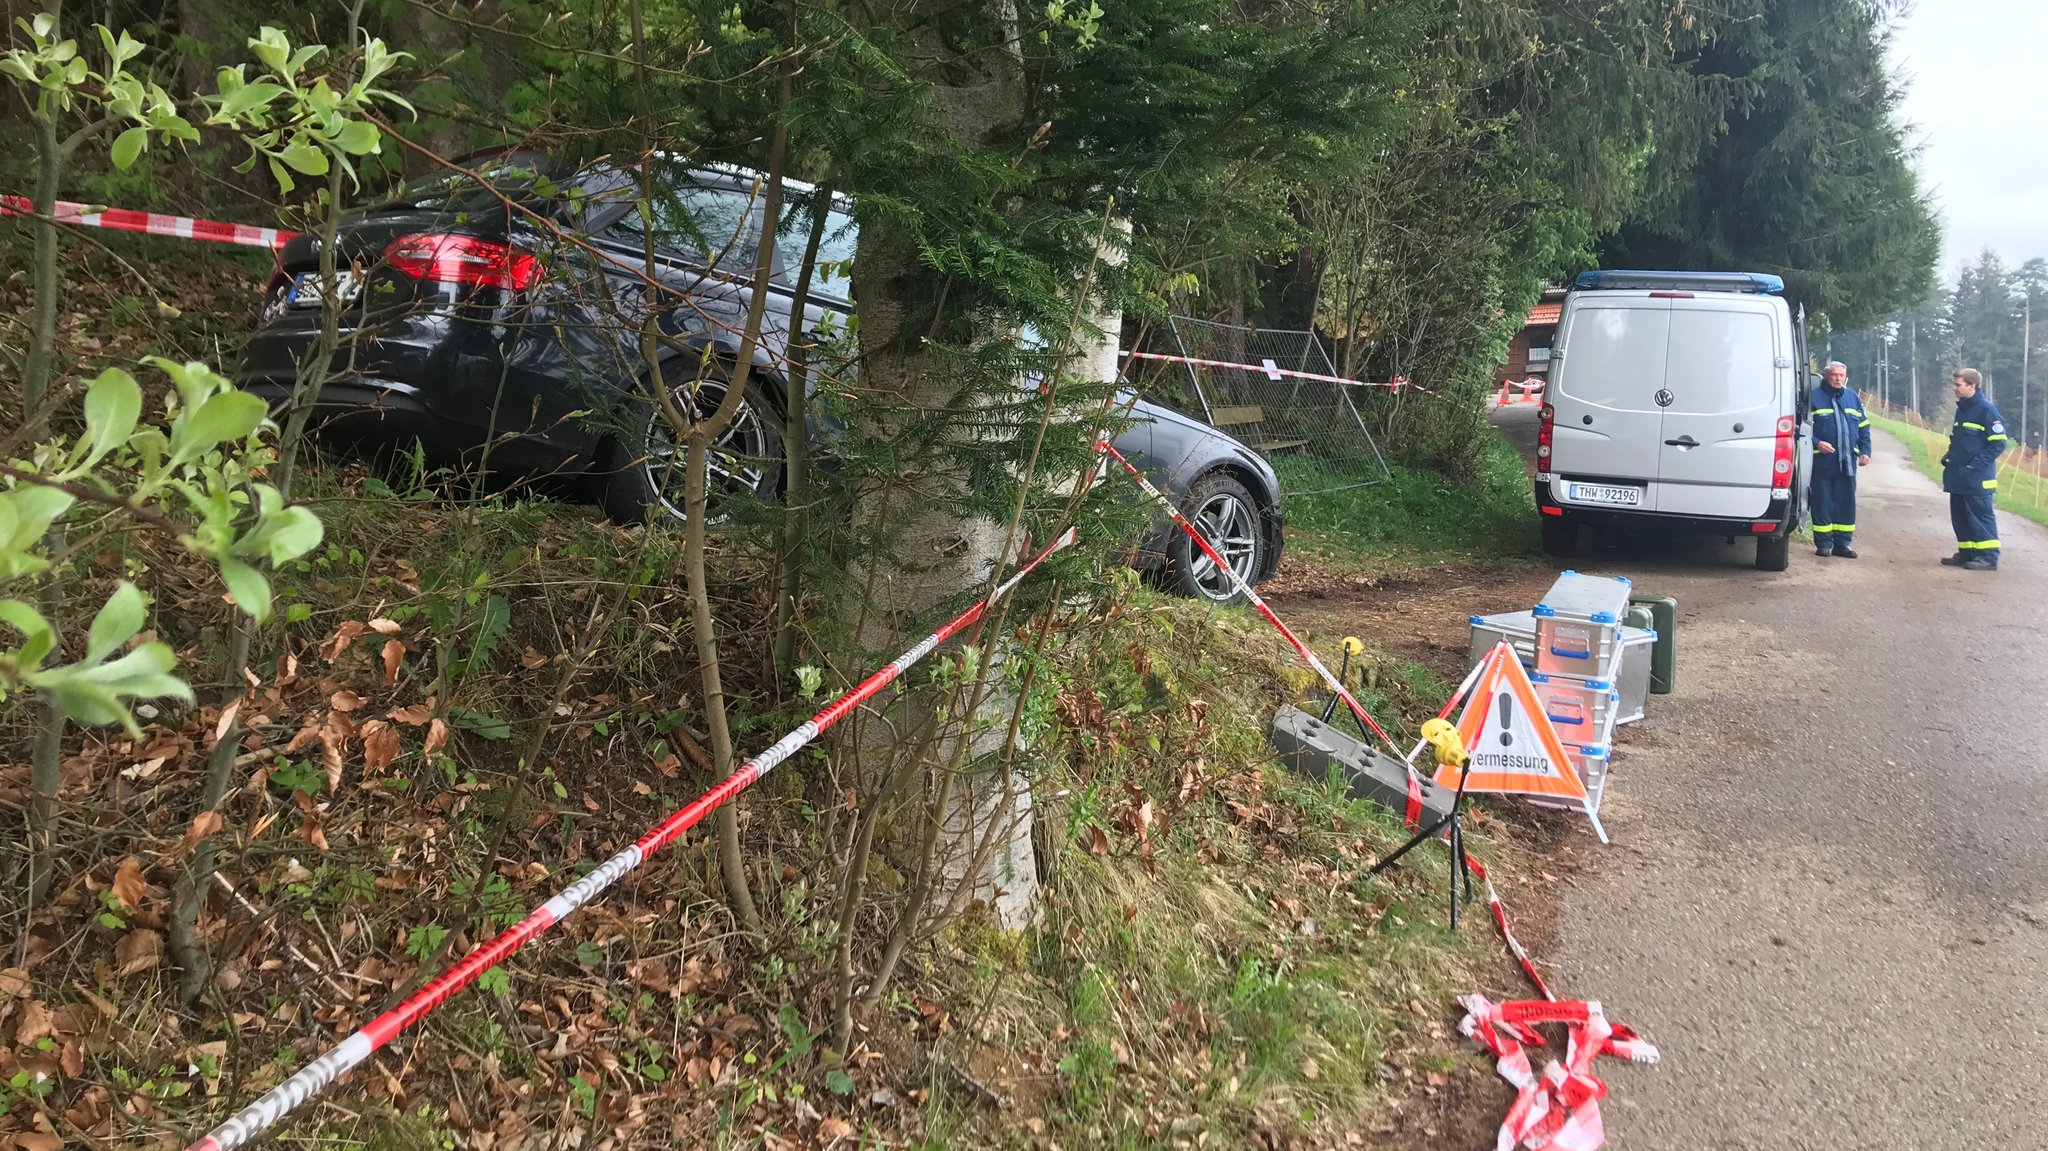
[(447, 259), (1546, 422), (277, 278), (1781, 459)]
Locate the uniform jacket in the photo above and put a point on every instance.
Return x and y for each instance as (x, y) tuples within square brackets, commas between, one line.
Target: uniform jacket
[(1974, 444), (1838, 419)]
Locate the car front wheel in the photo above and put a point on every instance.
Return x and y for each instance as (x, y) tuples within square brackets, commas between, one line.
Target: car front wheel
[(1223, 510), (641, 466)]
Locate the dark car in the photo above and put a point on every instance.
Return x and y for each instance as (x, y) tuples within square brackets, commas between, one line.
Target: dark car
[(481, 335)]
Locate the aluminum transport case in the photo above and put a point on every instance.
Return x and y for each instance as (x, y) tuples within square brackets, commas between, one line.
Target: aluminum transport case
[(1578, 625)]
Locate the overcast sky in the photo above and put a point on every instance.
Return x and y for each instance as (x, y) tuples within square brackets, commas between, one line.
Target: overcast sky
[(1975, 102)]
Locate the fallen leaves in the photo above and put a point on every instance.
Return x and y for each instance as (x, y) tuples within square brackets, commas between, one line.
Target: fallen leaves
[(394, 657), (138, 950), (341, 639), (35, 1023), (129, 886), (380, 745), (532, 660)]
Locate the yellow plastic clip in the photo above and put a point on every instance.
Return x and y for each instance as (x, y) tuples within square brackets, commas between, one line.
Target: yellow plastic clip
[(1352, 646), (1442, 735)]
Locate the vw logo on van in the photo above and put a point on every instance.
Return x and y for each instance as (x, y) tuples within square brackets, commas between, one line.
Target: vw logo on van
[(1663, 397)]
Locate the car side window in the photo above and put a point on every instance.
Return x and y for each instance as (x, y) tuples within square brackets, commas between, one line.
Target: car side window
[(717, 227), (835, 247)]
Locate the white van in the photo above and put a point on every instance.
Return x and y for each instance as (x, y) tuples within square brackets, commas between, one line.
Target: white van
[(1674, 405)]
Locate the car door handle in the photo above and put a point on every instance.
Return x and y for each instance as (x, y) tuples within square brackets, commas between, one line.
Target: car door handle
[(1682, 442)]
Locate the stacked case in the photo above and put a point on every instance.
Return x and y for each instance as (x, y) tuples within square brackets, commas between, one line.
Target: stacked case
[(1589, 668)]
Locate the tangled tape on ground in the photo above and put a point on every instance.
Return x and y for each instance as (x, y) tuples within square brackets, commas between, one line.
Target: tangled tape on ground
[(1558, 1110)]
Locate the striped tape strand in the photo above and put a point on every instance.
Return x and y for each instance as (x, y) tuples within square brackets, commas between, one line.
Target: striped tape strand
[(149, 223)]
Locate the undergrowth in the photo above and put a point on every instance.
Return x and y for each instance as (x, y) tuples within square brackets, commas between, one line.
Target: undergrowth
[(1209, 957), (1416, 514)]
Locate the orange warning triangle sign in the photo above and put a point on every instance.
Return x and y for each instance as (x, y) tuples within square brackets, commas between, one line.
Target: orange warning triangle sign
[(1513, 748)]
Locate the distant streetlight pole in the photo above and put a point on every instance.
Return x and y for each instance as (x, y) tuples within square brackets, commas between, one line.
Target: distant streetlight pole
[(1913, 354)]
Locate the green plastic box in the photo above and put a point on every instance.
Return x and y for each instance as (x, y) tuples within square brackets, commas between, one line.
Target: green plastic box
[(1663, 613)]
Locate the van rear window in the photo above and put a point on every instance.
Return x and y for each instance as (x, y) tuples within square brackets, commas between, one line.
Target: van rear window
[(1721, 361), (1614, 357)]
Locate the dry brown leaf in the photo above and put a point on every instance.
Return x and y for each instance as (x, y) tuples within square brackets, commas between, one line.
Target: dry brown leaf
[(129, 886), (139, 950), (413, 716), (34, 1024), (394, 656), (668, 764), (338, 642), (204, 824), (833, 1127), (380, 745), (226, 720), (1098, 841), (37, 1141), (100, 1003), (336, 729), (1310, 1070), (383, 626), (72, 1058), (437, 734), (532, 660), (345, 700), (13, 982), (640, 788)]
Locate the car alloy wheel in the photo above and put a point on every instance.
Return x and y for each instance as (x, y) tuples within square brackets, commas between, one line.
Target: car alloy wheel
[(1232, 528), (735, 467)]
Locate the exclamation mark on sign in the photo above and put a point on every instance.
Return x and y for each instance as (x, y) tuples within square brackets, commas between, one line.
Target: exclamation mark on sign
[(1506, 704)]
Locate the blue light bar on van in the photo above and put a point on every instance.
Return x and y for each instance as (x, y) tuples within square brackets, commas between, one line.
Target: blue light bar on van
[(1628, 280)]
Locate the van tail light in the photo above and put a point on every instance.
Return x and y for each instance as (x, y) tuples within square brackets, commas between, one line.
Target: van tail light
[(277, 278), (1546, 424), (1781, 459), (450, 259)]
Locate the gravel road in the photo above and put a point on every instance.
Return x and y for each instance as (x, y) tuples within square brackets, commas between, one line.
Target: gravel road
[(1827, 896)]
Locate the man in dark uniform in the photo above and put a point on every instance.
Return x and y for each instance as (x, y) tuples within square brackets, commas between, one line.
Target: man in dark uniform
[(1841, 444), (1969, 474)]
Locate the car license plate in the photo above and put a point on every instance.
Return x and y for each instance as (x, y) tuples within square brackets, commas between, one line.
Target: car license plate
[(1605, 494), (306, 290)]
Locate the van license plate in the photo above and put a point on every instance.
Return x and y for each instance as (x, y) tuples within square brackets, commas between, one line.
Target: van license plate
[(1605, 494)]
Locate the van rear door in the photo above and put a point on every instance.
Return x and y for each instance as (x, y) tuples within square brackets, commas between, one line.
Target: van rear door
[(1609, 367), (1725, 377)]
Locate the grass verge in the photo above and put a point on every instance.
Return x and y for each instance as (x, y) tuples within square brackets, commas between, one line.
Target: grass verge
[(2021, 493), (1416, 515)]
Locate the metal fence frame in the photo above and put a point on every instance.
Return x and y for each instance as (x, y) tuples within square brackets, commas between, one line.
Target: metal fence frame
[(1273, 414)]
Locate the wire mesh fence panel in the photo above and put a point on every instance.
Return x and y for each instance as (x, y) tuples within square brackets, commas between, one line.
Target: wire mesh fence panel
[(1309, 430)]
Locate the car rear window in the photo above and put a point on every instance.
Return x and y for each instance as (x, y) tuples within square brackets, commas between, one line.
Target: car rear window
[(514, 175), (1721, 361), (1614, 356), (714, 224)]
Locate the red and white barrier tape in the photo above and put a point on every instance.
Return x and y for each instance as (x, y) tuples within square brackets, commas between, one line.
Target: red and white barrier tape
[(1243, 588), (149, 223), (1273, 371), (274, 1105), (1560, 1109)]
